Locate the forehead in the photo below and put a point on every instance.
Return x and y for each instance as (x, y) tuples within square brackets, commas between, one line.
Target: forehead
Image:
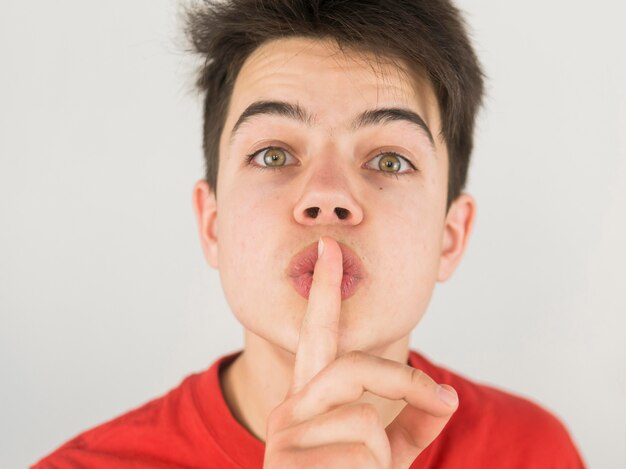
[(333, 84)]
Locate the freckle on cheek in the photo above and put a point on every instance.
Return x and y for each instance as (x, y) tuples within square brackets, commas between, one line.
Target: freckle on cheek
[(380, 188)]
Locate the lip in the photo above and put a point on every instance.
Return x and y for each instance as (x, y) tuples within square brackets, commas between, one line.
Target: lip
[(300, 271)]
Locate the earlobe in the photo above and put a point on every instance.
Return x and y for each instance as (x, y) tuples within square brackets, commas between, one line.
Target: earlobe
[(205, 208), (458, 227)]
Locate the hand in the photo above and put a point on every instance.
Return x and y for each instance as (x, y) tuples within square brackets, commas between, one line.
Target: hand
[(319, 424)]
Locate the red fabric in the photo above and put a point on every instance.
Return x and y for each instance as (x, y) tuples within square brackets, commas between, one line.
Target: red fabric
[(192, 427)]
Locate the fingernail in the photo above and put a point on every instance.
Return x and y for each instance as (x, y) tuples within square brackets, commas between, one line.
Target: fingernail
[(448, 396), (320, 247)]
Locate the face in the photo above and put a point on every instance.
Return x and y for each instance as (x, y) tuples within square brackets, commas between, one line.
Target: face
[(348, 158)]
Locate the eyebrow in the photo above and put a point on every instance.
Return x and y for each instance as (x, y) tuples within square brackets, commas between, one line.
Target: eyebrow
[(278, 108), (365, 119), (381, 116)]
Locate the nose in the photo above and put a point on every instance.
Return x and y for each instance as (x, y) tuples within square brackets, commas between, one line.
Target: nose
[(327, 199)]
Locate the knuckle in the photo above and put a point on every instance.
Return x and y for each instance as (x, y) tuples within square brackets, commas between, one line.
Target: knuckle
[(368, 415), (279, 441), (279, 459), (417, 377), (360, 456), (278, 418), (353, 358), (273, 420)]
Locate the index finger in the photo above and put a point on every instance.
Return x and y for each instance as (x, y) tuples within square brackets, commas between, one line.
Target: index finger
[(317, 344)]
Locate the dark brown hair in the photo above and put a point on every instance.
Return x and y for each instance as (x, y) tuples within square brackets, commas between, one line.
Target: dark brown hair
[(429, 36)]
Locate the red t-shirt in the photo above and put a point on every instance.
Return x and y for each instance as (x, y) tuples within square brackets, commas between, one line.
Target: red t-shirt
[(192, 427)]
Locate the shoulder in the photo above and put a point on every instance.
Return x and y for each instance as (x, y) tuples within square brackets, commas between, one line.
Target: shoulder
[(495, 425), (162, 427)]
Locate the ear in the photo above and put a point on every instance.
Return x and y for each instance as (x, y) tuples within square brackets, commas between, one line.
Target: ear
[(458, 227), (205, 208)]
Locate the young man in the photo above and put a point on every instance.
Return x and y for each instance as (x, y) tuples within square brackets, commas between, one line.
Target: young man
[(337, 140)]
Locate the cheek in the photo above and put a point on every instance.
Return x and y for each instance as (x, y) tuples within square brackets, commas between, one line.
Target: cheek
[(245, 215), (411, 257), (246, 232)]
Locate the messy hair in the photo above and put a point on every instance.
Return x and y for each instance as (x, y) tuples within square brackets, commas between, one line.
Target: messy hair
[(429, 36)]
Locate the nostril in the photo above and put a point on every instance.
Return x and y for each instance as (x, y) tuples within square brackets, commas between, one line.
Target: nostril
[(312, 212), (342, 213)]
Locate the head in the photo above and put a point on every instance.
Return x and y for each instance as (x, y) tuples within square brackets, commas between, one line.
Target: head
[(347, 119)]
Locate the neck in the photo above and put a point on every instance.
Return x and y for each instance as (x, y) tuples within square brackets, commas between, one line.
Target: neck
[(258, 381)]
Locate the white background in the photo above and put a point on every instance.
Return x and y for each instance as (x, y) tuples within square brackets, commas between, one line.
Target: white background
[(105, 298)]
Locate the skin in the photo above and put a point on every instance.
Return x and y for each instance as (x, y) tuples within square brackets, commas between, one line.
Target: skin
[(397, 225)]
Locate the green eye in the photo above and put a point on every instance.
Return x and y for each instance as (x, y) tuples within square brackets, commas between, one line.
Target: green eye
[(389, 163), (274, 157)]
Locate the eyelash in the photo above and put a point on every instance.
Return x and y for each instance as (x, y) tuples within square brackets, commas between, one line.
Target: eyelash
[(251, 156)]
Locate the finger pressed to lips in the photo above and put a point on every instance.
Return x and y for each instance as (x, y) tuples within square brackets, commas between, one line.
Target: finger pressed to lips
[(321, 418), (323, 381), (317, 344)]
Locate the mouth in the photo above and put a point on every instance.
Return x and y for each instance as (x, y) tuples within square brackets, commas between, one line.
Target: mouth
[(300, 271)]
